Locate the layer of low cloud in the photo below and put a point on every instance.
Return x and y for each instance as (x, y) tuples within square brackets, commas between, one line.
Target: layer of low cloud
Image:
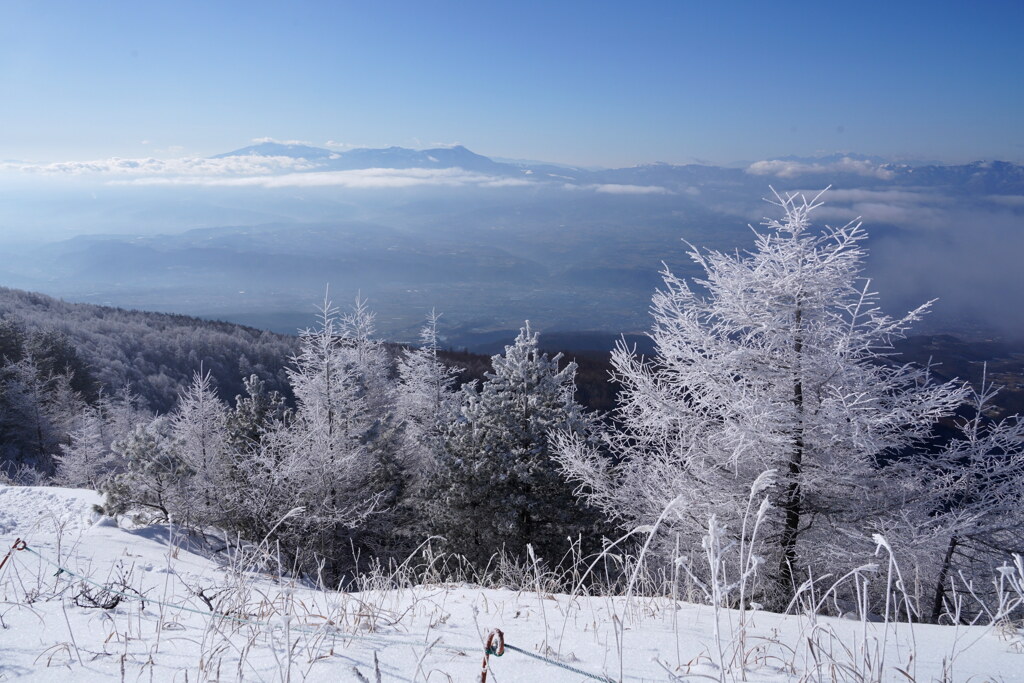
[(151, 166), (793, 169), (355, 179), (260, 141), (619, 189), (257, 171), (611, 188), (1011, 200), (284, 172)]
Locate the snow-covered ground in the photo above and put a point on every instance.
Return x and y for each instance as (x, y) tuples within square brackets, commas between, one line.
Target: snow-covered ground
[(277, 631)]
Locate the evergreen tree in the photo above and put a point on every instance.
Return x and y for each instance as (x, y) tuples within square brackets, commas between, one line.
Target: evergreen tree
[(497, 485), (89, 458), (326, 457), (426, 403), (966, 515), (253, 414), (200, 428), (425, 406), (37, 411), (155, 479)]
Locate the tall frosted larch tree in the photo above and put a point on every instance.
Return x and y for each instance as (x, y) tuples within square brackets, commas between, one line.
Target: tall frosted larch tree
[(326, 458), (199, 424), (779, 359)]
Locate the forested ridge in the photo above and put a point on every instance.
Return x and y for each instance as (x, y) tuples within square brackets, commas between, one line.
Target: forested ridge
[(155, 354)]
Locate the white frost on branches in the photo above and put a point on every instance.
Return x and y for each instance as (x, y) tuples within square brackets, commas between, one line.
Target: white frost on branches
[(777, 359)]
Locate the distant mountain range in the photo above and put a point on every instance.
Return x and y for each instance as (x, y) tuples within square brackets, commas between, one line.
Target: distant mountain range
[(837, 168), (389, 157)]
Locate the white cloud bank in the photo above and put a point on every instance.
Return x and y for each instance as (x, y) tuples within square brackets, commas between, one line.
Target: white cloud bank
[(357, 179), (151, 166), (792, 169), (256, 171), (260, 141), (610, 188), (621, 189), (284, 172)]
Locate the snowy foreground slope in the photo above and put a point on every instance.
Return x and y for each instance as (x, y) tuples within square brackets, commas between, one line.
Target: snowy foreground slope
[(275, 631)]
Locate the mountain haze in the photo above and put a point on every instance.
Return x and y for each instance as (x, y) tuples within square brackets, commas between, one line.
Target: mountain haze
[(256, 234)]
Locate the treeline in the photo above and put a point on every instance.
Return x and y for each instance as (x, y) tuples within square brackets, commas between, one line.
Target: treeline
[(59, 361)]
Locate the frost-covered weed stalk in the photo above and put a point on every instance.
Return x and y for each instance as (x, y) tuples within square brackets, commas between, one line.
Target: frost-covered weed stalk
[(778, 359)]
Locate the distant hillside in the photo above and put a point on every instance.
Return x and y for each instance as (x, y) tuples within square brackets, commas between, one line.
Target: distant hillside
[(491, 244), (155, 353)]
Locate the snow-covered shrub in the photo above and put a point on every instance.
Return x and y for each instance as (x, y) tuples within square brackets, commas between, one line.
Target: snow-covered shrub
[(155, 478)]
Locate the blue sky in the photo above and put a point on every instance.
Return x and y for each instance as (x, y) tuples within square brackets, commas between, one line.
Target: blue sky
[(589, 83)]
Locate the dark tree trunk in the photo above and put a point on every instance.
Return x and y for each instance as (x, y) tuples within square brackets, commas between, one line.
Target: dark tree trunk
[(940, 584), (792, 505)]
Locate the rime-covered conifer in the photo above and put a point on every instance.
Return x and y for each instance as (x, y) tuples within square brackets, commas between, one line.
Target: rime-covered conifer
[(497, 485), (89, 459), (253, 414), (200, 428), (966, 517), (155, 478), (426, 402), (779, 359)]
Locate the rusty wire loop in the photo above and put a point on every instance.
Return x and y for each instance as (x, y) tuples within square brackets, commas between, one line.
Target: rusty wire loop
[(18, 545)]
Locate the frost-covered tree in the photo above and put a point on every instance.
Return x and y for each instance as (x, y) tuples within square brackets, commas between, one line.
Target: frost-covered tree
[(497, 485), (200, 427), (179, 465), (155, 478), (325, 457), (340, 380), (968, 515), (38, 409), (306, 478), (253, 414), (89, 458), (29, 435), (371, 366), (426, 402), (779, 359)]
